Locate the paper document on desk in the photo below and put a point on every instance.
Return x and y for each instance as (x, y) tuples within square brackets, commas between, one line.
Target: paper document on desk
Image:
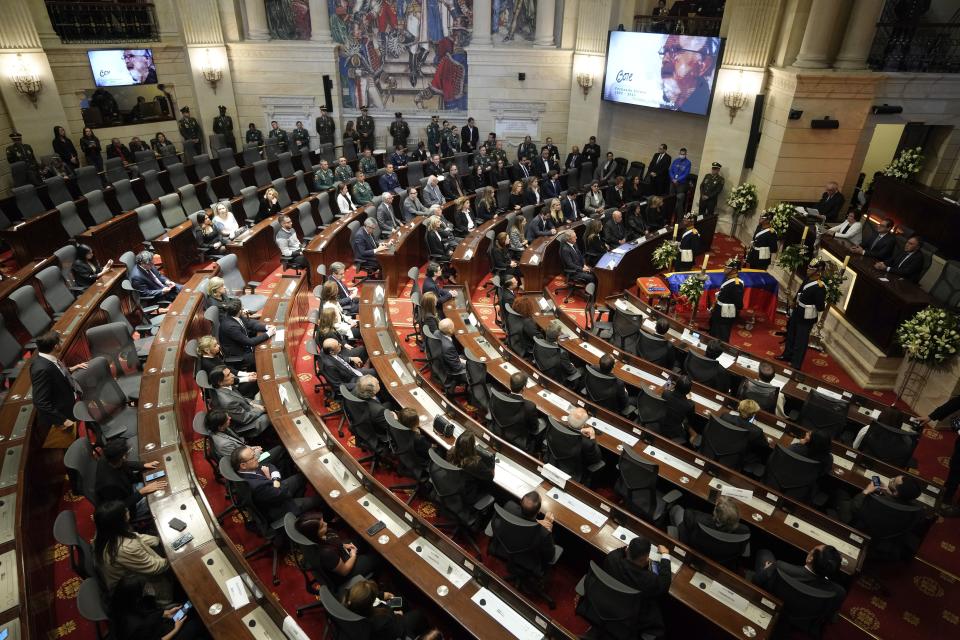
[(529, 478), (613, 432), (646, 375), (748, 363), (779, 381), (649, 325), (586, 346), (709, 404), (726, 360), (534, 260), (622, 249), (279, 336), (672, 461), (580, 508), (555, 400), (829, 393), (237, 592), (515, 624), (284, 398), (440, 562), (687, 336)]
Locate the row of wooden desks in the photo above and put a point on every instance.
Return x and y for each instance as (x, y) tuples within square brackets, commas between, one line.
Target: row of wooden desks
[(736, 607), (477, 599)]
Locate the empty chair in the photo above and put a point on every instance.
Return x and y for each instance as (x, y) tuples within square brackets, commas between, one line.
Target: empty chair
[(30, 312), (171, 210), (146, 160), (70, 220), (28, 202), (189, 201), (792, 474), (235, 177), (87, 179), (946, 289), (114, 170), (325, 151), (126, 198), (114, 341), (202, 166), (250, 203), (57, 191), (283, 196), (234, 280), (81, 469), (81, 552), (151, 182), (307, 225), (55, 290), (261, 173), (177, 174), (271, 147), (11, 361), (104, 402), (226, 159), (636, 485), (19, 173), (111, 306), (890, 444), (149, 222), (449, 489), (822, 412), (323, 208), (92, 603), (306, 160), (300, 185), (97, 207), (477, 390), (251, 154), (626, 327), (724, 442), (285, 163)]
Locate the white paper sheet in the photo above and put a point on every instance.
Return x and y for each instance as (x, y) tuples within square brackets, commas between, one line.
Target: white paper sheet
[(555, 400), (726, 360), (586, 346), (518, 626), (440, 562), (237, 592), (671, 461), (582, 509), (709, 404), (824, 537), (626, 438)]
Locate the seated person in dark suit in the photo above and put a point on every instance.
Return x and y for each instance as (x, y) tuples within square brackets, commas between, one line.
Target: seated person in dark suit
[(605, 366), (765, 375), (340, 370), (274, 495), (239, 335), (149, 283), (531, 416), (563, 369), (614, 232), (526, 307), (881, 246), (662, 329), (680, 410), (347, 296), (455, 366), (365, 245), (409, 418), (225, 439), (831, 203), (816, 446), (384, 622), (725, 518), (821, 565), (529, 509), (329, 555), (430, 286), (720, 380), (210, 357), (902, 489), (248, 417), (571, 260), (589, 451), (908, 264), (85, 268), (758, 449), (541, 225), (477, 466), (367, 388), (116, 479), (568, 204), (509, 286), (631, 566), (551, 187), (502, 259)]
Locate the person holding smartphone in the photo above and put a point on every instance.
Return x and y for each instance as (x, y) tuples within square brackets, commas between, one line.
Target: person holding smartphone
[(387, 622), (338, 560), (134, 616), (633, 566)]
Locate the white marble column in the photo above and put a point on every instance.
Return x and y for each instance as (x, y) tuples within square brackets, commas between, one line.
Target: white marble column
[(256, 20), (482, 16), (859, 35), (545, 18), (319, 22), (821, 25)]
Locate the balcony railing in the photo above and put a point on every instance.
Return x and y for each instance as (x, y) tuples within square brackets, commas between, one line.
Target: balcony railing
[(687, 26), (103, 22), (916, 47)]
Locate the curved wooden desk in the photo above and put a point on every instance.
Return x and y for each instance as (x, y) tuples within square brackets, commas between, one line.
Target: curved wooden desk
[(470, 258)]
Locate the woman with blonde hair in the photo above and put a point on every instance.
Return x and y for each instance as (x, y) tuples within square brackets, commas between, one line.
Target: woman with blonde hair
[(516, 195), (327, 327), (555, 214), (270, 205), (486, 205), (654, 213), (532, 194), (330, 299), (224, 220), (210, 357)]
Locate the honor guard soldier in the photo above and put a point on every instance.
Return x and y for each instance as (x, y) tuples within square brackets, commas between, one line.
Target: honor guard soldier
[(366, 127), (300, 137), (527, 150), (763, 246), (190, 131), (277, 134), (710, 189), (325, 127), (399, 130), (689, 243), (19, 152), (433, 135), (810, 301), (254, 135), (343, 172), (728, 302), (223, 125), (323, 177), (449, 140), (367, 163)]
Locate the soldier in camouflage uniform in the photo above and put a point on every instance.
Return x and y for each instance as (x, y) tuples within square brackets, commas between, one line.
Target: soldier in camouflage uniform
[(500, 154), (433, 135), (710, 189), (300, 137), (190, 131), (366, 127), (278, 134), (19, 152), (343, 172), (368, 164), (362, 194), (399, 131), (323, 178), (254, 135), (450, 143), (326, 127)]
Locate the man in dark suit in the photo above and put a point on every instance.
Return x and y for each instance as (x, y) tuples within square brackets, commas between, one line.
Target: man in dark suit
[(551, 149), (631, 565), (430, 285), (249, 418), (558, 365), (541, 225), (529, 509), (508, 292), (522, 169), (658, 171), (614, 233), (274, 495), (551, 187), (571, 260), (544, 164), (368, 389), (455, 366), (591, 151), (469, 136), (715, 377), (881, 246), (821, 565), (339, 370), (620, 397), (239, 335), (568, 204), (574, 159), (346, 296), (54, 389), (433, 168), (831, 203), (908, 264), (531, 416), (365, 245), (452, 185), (150, 284)]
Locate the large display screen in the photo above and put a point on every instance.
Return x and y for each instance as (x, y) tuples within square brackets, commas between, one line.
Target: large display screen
[(122, 67), (662, 71)]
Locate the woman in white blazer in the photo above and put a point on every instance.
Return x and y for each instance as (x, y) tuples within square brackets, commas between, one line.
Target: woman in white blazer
[(850, 229)]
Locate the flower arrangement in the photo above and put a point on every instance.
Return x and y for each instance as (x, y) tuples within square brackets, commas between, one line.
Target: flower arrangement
[(833, 279), (793, 257), (743, 198), (665, 254), (909, 162), (780, 217), (691, 289), (930, 337)]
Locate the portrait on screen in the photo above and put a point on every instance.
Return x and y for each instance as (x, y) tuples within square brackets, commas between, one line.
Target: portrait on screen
[(122, 67)]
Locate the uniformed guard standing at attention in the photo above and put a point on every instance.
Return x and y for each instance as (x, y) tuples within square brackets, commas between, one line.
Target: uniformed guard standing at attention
[(326, 127), (689, 243), (399, 130), (300, 137), (728, 302), (366, 127), (710, 189), (254, 135), (223, 125), (810, 301), (449, 140), (19, 152), (763, 246), (190, 131), (433, 135)]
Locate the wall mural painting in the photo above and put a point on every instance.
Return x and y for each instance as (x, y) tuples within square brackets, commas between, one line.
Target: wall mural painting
[(514, 20), (288, 19), (403, 54)]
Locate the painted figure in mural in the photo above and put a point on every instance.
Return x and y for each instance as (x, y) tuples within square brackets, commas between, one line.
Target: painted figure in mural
[(512, 18), (288, 19), (364, 65)]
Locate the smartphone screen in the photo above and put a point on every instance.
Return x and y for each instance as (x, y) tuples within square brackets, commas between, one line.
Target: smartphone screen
[(187, 606), (264, 456), (876, 481), (179, 615), (150, 477), (395, 602)]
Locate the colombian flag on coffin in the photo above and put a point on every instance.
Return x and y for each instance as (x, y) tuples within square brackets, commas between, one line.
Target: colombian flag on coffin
[(759, 289)]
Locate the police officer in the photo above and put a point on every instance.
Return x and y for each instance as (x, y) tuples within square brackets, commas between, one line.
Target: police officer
[(811, 300), (728, 302), (19, 152), (300, 137), (326, 127), (764, 245), (190, 131), (433, 135), (399, 130), (254, 135), (689, 243), (710, 189), (366, 127), (277, 134), (223, 125)]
